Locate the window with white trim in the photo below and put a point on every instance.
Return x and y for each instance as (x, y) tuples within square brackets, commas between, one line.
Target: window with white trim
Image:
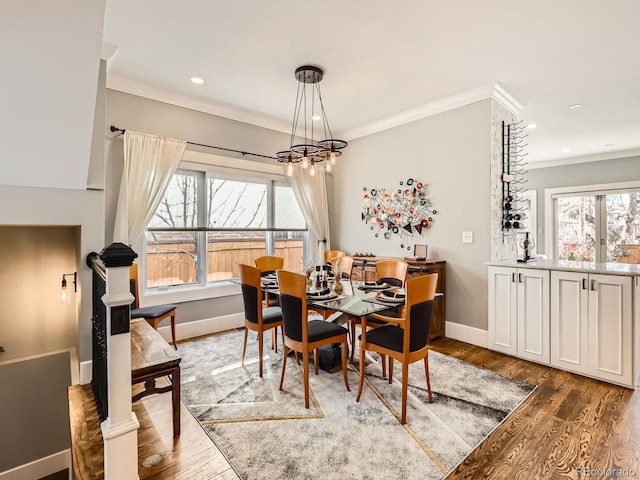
[(209, 222), (597, 226)]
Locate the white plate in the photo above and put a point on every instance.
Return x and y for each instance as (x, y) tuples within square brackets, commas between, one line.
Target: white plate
[(384, 298), (383, 286), (328, 296)]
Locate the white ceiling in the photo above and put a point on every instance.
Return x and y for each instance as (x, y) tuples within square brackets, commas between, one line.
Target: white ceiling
[(384, 58)]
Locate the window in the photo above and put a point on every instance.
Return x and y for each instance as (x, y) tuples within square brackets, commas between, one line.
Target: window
[(209, 222), (597, 226)]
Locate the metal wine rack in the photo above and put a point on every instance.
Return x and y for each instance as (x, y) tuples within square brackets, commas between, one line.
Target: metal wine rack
[(513, 172)]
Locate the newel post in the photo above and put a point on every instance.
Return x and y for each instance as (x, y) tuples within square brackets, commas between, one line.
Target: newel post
[(120, 429)]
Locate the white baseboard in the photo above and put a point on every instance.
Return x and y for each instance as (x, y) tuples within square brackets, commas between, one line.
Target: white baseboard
[(465, 333), (202, 327), (39, 468)]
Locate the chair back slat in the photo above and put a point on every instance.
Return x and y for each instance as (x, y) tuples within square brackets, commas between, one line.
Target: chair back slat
[(393, 272), (419, 307), (251, 293), (269, 264), (293, 300)]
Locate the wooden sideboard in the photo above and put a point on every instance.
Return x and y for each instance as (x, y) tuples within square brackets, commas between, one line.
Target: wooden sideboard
[(364, 269)]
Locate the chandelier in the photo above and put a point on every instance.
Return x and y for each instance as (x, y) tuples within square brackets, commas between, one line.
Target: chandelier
[(309, 105)]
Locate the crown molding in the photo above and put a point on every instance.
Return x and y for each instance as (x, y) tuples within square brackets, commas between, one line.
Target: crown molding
[(108, 51), (635, 152), (491, 90), (501, 95), (115, 82)]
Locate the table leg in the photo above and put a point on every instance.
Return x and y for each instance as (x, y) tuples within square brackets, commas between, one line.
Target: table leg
[(175, 401)]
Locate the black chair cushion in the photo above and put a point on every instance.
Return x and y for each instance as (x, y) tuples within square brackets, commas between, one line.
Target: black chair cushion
[(152, 312), (271, 314), (319, 329), (389, 336)]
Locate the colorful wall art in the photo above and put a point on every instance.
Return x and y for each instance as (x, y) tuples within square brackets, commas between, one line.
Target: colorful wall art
[(404, 212)]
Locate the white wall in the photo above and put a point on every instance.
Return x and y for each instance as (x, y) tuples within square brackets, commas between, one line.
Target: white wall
[(58, 207), (50, 61), (450, 152)]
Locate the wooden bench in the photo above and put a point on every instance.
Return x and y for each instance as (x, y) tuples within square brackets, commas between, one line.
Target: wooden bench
[(153, 358)]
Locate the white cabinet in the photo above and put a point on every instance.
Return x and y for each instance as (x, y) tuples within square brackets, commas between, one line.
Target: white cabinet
[(519, 312), (591, 325)]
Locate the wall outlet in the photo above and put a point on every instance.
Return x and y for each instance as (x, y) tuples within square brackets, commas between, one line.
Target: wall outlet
[(467, 237)]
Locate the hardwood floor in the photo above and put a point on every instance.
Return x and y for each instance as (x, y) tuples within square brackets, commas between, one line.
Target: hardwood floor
[(569, 423), (571, 427)]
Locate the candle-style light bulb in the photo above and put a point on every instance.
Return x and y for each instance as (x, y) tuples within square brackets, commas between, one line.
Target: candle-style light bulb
[(312, 170), (305, 159), (64, 291), (289, 169), (329, 167)]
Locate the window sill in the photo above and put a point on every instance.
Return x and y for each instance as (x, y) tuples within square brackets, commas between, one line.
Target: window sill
[(190, 293)]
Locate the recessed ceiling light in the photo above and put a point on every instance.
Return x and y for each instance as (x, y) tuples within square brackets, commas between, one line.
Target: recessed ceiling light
[(316, 117), (197, 80), (609, 145), (531, 126), (566, 150), (575, 105)]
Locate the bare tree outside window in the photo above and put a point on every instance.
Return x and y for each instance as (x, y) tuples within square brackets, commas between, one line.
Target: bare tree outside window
[(615, 215), (236, 214)]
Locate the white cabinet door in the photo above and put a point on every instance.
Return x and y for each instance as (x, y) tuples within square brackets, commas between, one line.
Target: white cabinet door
[(533, 314), (503, 310), (570, 321), (610, 332)]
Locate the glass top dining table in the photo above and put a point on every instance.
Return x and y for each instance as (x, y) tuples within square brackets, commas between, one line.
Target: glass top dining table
[(355, 300)]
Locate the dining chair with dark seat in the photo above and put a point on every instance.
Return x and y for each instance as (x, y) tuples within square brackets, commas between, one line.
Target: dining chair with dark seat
[(153, 314), (405, 339), (346, 267), (394, 273), (256, 317), (330, 255), (303, 335), (268, 264)]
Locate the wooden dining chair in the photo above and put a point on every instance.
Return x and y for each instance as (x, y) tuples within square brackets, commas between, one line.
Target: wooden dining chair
[(256, 317), (303, 335), (153, 314), (346, 267), (330, 255), (405, 339), (393, 272), (269, 264)]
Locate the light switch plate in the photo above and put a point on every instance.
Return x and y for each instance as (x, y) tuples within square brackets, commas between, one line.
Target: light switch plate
[(467, 237)]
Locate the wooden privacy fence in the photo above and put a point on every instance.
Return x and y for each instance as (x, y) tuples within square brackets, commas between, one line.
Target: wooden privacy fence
[(174, 263)]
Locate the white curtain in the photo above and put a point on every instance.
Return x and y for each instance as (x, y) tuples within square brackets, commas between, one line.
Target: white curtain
[(149, 165), (311, 194)]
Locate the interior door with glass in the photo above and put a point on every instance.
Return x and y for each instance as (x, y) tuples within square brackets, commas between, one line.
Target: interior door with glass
[(620, 241), (576, 228), (598, 227)]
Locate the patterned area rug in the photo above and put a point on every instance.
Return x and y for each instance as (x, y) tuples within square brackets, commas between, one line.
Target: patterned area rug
[(268, 434)]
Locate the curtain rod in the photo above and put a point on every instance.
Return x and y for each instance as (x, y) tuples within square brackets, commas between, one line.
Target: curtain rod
[(122, 130)]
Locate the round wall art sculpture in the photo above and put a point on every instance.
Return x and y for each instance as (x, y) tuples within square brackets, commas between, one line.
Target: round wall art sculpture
[(404, 211)]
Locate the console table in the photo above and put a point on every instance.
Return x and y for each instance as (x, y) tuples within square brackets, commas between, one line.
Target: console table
[(364, 269), (151, 358)]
